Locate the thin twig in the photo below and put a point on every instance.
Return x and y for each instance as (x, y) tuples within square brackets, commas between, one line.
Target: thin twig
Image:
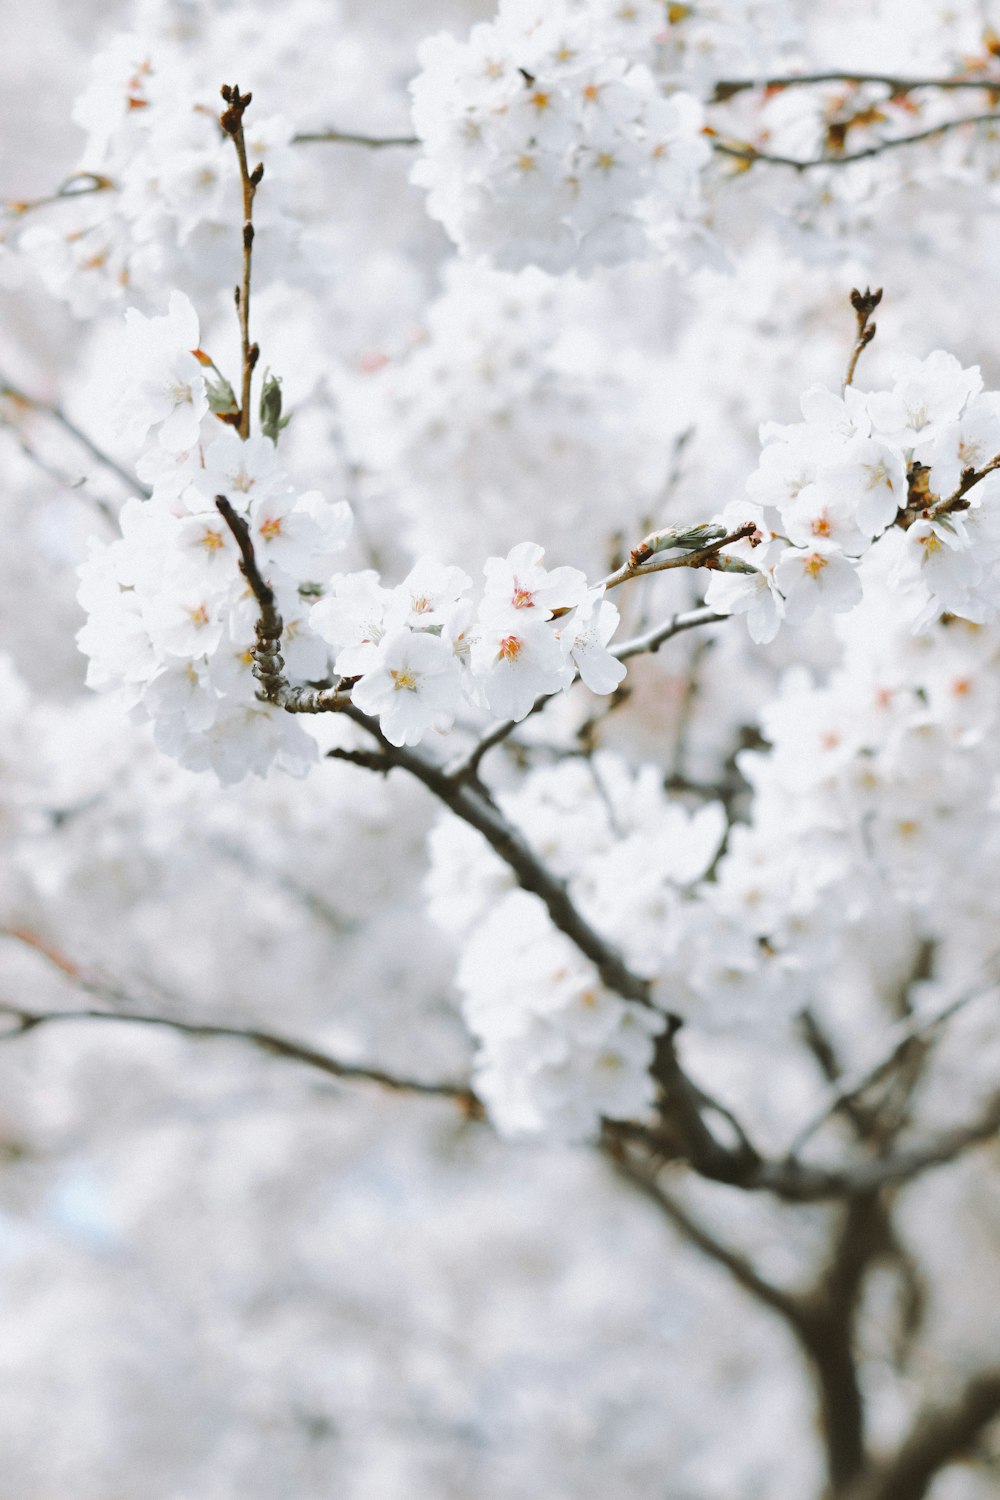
[(89, 183), (957, 501), (646, 1178), (52, 471), (231, 120), (864, 304), (639, 565), (14, 393), (647, 643)]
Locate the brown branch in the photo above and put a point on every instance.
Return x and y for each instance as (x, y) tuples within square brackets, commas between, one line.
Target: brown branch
[(645, 1177), (270, 1042), (821, 1321), (231, 120), (638, 564), (269, 664), (728, 88), (111, 993), (864, 304), (684, 1102), (957, 501), (750, 154)]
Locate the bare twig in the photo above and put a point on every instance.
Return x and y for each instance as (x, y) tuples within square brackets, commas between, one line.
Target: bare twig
[(231, 120), (957, 501), (58, 475), (864, 304), (642, 561)]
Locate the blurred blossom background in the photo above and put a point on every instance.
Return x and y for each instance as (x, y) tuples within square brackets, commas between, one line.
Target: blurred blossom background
[(224, 1276)]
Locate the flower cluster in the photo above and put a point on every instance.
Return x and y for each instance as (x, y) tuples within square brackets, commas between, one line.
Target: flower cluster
[(418, 649), (873, 827), (556, 1051), (541, 148), (696, 44), (171, 619), (887, 472), (158, 194)]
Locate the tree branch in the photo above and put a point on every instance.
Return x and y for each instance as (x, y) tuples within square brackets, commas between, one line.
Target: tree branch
[(651, 640)]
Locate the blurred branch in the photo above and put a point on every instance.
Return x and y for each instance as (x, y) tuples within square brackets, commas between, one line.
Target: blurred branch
[(651, 640), (645, 1177), (750, 154), (332, 136), (80, 185), (728, 88), (851, 1086), (11, 392), (265, 1041)]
